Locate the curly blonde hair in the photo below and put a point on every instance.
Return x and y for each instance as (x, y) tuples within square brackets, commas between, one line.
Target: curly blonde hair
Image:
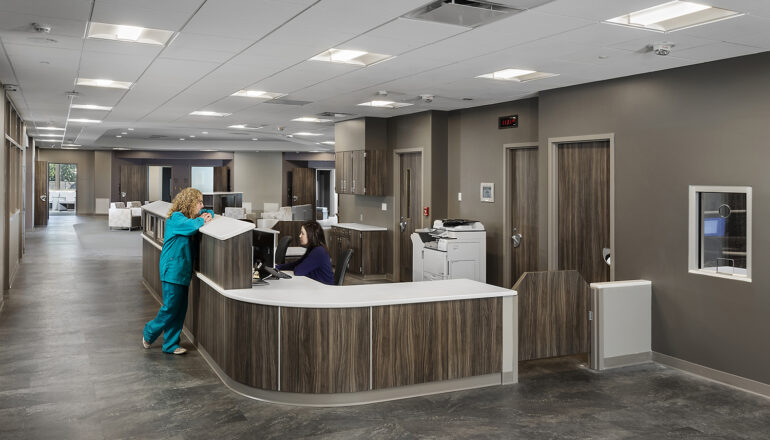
[(186, 202)]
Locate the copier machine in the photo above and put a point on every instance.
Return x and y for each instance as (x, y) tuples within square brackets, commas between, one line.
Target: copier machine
[(451, 249)]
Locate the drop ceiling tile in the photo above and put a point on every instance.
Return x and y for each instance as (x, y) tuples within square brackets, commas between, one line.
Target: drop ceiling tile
[(681, 42), (717, 51), (190, 42), (96, 47), (748, 30), (117, 67), (248, 20), (751, 7), (597, 10), (38, 40), (128, 13), (60, 9), (18, 22)]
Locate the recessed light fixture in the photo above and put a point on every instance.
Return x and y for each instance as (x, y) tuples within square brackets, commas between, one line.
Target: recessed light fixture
[(518, 75), (85, 121), (328, 142), (123, 132), (133, 34), (91, 107), (209, 149), (347, 56), (120, 148), (49, 140), (673, 16), (310, 119), (204, 132), (119, 136), (305, 133), (245, 127), (103, 83), (50, 128), (68, 148), (385, 104), (258, 94), (70, 145), (181, 139), (192, 136), (209, 113), (51, 135), (254, 139), (130, 129)]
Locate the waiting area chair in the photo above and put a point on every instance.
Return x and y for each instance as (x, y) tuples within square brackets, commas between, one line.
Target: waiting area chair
[(280, 249), (343, 260), (121, 216)]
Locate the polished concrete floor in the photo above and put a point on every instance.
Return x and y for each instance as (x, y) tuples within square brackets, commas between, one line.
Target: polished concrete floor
[(72, 367)]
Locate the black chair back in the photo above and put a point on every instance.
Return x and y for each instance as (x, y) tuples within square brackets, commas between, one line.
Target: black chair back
[(342, 266), (280, 249)]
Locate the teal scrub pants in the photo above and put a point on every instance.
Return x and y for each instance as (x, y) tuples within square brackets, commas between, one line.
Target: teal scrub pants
[(170, 317)]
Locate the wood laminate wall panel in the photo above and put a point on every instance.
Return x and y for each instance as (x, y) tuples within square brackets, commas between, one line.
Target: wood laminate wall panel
[(41, 190), (428, 342), (324, 350), (373, 252), (227, 262), (553, 314), (584, 208), (251, 344), (133, 182), (151, 266)]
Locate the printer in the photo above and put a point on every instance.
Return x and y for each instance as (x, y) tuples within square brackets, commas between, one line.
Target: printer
[(451, 249)]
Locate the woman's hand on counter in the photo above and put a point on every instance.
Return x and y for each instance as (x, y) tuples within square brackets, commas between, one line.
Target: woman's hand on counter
[(206, 217)]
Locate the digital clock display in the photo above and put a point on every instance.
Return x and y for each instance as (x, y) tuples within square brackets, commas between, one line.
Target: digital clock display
[(510, 121)]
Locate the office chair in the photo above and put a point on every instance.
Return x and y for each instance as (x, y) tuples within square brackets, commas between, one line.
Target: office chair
[(342, 266), (280, 249)]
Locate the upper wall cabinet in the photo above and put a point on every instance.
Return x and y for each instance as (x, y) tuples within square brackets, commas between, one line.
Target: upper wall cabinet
[(361, 172)]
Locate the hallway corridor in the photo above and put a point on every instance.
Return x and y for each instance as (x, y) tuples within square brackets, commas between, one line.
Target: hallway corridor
[(72, 367)]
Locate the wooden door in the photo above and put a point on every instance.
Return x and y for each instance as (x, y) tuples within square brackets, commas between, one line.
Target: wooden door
[(522, 168), (584, 208), (303, 187), (409, 214), (357, 179), (133, 182), (41, 193)]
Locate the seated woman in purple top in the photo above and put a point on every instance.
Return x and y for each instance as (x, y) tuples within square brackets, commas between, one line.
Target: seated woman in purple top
[(315, 263)]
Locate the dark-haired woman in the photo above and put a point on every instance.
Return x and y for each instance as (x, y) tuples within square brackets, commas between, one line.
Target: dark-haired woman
[(315, 263)]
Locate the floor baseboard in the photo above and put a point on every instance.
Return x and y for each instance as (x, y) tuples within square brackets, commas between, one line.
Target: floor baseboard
[(742, 383)]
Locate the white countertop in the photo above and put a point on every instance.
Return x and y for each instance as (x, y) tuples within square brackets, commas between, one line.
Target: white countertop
[(304, 292), (158, 207), (360, 227), (223, 227)]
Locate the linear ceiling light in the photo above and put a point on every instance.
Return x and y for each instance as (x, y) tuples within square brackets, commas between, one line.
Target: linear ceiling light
[(132, 34), (209, 113), (310, 119), (328, 142), (305, 133), (518, 75), (48, 140), (246, 126), (258, 94), (345, 56), (91, 107), (385, 104), (50, 128), (68, 148), (103, 83), (51, 135), (85, 121), (673, 16), (70, 145)]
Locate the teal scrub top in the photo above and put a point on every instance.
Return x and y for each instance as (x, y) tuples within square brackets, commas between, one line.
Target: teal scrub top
[(176, 257)]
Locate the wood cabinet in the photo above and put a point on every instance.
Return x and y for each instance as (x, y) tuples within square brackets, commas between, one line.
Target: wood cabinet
[(368, 249), (361, 172)]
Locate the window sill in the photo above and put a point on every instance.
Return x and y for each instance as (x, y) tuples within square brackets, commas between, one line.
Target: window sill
[(711, 273)]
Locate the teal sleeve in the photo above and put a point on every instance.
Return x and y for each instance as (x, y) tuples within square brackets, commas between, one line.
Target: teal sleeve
[(187, 226), (207, 210)]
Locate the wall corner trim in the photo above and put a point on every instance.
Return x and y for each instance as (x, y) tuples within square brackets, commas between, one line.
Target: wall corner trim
[(722, 377)]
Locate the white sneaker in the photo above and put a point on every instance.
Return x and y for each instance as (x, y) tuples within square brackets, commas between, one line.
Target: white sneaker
[(145, 344), (180, 350)]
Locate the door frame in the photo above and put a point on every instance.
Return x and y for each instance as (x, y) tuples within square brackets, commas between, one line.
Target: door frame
[(553, 195), (507, 258), (397, 201)]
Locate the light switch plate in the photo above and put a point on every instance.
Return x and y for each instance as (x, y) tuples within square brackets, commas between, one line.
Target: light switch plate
[(361, 218), (459, 197), (384, 206)]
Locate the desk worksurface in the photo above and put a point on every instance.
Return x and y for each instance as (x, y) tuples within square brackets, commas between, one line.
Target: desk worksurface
[(304, 292), (359, 227)]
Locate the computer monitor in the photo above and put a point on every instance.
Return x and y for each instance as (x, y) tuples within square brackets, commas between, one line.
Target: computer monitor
[(263, 245)]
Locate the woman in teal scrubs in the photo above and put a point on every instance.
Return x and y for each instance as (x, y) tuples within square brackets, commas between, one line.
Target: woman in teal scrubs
[(184, 219)]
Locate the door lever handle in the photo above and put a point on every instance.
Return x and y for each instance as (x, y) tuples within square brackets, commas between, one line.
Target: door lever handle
[(516, 237)]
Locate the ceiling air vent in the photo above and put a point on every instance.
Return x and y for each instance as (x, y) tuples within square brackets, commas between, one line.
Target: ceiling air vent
[(283, 101), (334, 115), (466, 13), (157, 136)]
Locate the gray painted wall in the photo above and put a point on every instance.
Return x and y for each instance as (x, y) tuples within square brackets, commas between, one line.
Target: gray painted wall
[(702, 125), (476, 156), (85, 180), (258, 175)]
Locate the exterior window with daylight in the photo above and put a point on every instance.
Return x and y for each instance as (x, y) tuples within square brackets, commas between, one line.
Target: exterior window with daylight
[(720, 231)]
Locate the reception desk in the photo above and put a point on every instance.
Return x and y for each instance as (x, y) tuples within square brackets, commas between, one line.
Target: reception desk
[(297, 341)]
